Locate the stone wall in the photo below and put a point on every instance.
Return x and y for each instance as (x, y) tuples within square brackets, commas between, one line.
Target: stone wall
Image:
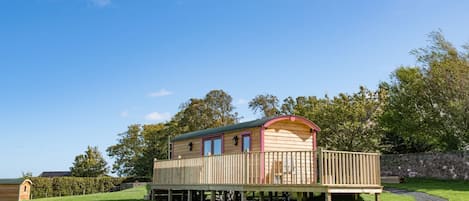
[(430, 165)]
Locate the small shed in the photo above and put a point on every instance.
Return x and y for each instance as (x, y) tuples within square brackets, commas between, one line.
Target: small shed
[(15, 189)]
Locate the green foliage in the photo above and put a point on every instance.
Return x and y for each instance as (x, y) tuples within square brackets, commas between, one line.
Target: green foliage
[(64, 186), (133, 194), (428, 106), (267, 104), (348, 122), (26, 175), (90, 164), (136, 148), (215, 110)]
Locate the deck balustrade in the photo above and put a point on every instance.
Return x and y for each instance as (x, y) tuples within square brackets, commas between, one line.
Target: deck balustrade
[(321, 167)]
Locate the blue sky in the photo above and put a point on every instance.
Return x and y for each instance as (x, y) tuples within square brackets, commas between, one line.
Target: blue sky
[(77, 72)]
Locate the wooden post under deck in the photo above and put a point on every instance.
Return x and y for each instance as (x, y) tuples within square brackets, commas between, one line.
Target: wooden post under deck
[(299, 196), (189, 195), (202, 195), (213, 195), (377, 196), (170, 195), (311, 195), (243, 196), (328, 196), (261, 196)]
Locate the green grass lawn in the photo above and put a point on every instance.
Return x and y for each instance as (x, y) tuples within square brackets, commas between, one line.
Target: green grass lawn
[(134, 194), (453, 190), (387, 197)]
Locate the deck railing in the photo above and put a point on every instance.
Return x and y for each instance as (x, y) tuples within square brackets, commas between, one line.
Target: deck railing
[(257, 168)]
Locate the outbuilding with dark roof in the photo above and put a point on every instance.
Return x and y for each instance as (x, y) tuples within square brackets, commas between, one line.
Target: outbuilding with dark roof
[(15, 189)]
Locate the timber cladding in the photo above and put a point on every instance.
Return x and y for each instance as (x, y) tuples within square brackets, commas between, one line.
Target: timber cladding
[(288, 136), (181, 148), (283, 133), (15, 189)]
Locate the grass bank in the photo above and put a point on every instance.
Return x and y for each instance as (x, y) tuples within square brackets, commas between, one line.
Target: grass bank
[(454, 190), (134, 194)]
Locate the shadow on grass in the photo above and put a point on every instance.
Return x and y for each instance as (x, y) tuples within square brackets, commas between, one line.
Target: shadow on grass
[(340, 197)]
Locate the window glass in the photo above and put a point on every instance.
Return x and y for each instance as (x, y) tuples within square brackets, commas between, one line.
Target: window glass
[(217, 146), (246, 143), (207, 147)]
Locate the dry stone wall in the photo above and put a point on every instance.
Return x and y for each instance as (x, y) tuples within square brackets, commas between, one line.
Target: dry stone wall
[(428, 165)]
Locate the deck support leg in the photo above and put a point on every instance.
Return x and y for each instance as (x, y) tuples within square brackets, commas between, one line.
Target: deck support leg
[(223, 195), (328, 196), (377, 196), (243, 196), (261, 196), (299, 196), (213, 195), (202, 195), (189, 195), (311, 196), (170, 195)]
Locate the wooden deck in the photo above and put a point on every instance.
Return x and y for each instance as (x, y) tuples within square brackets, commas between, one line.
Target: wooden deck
[(293, 171)]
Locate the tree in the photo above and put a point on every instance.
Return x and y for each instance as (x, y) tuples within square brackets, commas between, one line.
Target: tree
[(136, 148), (155, 145), (214, 110), (126, 151), (26, 175), (267, 104), (90, 164), (221, 108), (348, 122), (429, 104)]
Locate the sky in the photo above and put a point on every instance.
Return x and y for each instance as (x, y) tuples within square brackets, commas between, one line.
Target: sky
[(78, 72)]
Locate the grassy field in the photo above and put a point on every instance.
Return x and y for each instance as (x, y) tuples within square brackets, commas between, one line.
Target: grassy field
[(388, 197), (452, 190), (134, 194)]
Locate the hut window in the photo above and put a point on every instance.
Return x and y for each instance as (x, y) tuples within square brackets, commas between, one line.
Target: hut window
[(246, 146), (25, 188), (212, 146)]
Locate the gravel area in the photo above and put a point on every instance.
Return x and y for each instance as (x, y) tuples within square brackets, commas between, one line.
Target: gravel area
[(419, 196)]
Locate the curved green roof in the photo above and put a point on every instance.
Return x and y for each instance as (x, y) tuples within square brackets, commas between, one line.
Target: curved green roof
[(12, 181), (244, 125)]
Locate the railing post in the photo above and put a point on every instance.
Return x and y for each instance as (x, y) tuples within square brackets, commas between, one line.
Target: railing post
[(378, 169), (320, 161), (154, 171)]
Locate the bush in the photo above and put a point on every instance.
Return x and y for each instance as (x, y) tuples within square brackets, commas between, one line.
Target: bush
[(64, 186), (136, 179)]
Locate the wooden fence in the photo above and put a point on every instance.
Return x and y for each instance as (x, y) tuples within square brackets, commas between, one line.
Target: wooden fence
[(257, 168), (349, 168)]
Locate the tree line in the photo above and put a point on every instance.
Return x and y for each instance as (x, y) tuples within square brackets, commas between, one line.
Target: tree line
[(422, 108)]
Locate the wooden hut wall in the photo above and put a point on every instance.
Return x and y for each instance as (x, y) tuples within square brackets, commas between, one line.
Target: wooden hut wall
[(25, 190), (9, 192), (181, 148), (288, 136)]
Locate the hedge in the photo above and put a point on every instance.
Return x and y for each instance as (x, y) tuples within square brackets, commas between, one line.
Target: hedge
[(64, 186)]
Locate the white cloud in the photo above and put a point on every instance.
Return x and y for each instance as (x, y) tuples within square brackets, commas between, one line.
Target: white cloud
[(241, 102), (101, 3), (162, 92), (156, 116), (124, 114)]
